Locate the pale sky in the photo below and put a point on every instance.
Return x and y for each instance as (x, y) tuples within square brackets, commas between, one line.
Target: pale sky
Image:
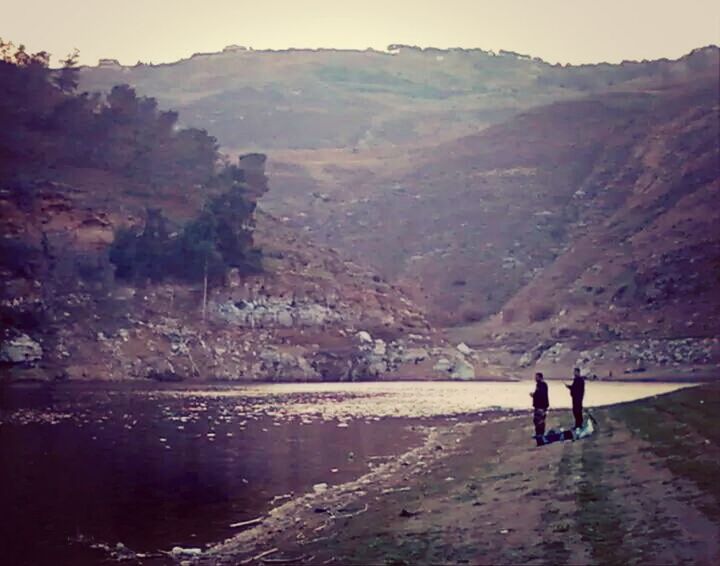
[(158, 31)]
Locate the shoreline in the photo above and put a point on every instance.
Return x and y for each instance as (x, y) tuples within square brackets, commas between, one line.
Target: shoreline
[(320, 511), (488, 495), (145, 383), (474, 488)]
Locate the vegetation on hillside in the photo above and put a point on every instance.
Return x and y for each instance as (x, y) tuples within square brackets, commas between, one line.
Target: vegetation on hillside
[(311, 99), (49, 128), (47, 124), (218, 239)]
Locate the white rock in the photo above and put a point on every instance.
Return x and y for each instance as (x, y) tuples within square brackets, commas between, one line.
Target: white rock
[(180, 551), (364, 337), (21, 349), (463, 370), (284, 318), (464, 349), (443, 364), (414, 355), (380, 348), (526, 359)]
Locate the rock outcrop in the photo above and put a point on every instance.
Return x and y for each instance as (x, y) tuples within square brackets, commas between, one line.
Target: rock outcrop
[(20, 350)]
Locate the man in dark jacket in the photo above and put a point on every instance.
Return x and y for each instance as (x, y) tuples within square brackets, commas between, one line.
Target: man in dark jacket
[(577, 392), (541, 403)]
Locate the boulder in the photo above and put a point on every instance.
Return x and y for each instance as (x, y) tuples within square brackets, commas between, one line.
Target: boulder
[(168, 375), (553, 354), (313, 314), (21, 349), (464, 349), (455, 367), (527, 359), (284, 318), (380, 348), (443, 364), (364, 337), (462, 370), (414, 355)]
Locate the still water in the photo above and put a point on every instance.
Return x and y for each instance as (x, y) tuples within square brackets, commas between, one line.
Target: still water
[(158, 467)]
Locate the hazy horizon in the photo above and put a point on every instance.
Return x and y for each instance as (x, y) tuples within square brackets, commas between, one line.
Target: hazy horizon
[(561, 31)]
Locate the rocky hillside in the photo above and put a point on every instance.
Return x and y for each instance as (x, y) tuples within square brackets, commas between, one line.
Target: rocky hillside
[(309, 315), (578, 233), (131, 248), (476, 219), (571, 224), (574, 226)]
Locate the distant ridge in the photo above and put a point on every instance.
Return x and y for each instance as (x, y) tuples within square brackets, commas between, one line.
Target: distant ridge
[(396, 49)]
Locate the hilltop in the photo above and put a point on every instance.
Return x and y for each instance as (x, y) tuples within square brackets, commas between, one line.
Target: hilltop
[(311, 99)]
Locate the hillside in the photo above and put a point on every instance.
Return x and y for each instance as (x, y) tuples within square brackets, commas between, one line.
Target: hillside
[(571, 227), (510, 200), (308, 315), (312, 99), (548, 216), (131, 248)]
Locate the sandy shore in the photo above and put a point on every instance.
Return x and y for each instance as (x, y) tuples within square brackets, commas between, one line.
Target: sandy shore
[(642, 490)]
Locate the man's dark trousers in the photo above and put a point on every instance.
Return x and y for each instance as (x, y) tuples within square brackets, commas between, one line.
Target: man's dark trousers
[(578, 413)]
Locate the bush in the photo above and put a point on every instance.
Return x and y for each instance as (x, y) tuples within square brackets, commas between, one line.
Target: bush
[(122, 253), (473, 315)]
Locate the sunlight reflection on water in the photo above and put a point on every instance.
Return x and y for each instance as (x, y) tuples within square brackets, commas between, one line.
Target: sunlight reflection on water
[(418, 399)]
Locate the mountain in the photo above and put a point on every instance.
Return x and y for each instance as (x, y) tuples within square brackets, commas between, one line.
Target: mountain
[(546, 215)]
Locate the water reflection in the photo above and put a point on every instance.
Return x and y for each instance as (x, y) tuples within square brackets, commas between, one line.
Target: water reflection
[(416, 399), (153, 474)]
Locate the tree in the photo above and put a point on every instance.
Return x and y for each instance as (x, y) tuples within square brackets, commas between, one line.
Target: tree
[(145, 255), (67, 78)]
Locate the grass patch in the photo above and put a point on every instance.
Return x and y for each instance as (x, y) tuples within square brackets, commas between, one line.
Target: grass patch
[(553, 550), (411, 548), (378, 81), (598, 518), (681, 428)]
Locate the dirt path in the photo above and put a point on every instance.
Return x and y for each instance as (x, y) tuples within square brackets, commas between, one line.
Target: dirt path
[(641, 490)]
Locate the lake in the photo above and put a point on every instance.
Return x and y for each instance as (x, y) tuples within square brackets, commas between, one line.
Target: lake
[(153, 467)]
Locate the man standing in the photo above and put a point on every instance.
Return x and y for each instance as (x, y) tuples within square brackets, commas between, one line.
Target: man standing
[(541, 403), (577, 392)]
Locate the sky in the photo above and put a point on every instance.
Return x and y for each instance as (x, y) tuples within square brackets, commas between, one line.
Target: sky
[(161, 31)]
